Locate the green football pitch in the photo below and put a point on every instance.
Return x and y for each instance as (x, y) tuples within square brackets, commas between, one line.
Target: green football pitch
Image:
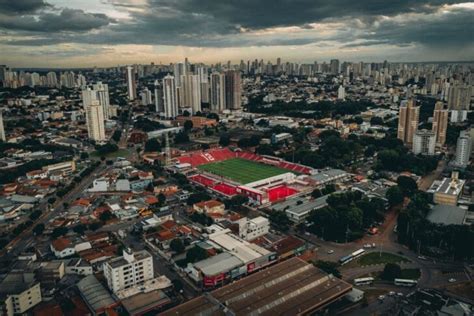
[(241, 170)]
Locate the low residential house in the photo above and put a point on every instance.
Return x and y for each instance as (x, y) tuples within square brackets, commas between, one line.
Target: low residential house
[(64, 247), (210, 207), (78, 266)]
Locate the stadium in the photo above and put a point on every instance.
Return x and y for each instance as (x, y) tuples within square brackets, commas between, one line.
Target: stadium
[(264, 179)]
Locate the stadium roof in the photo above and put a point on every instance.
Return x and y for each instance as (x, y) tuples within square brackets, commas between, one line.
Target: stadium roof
[(446, 215), (292, 287)]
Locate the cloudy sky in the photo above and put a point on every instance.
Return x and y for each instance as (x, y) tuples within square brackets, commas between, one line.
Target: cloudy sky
[(78, 33)]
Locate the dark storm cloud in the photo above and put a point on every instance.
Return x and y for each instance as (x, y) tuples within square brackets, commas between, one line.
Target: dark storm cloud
[(21, 6), (454, 29), (67, 20), (232, 23), (257, 14)]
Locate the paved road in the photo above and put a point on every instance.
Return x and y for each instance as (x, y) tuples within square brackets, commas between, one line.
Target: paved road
[(22, 241), (425, 182)]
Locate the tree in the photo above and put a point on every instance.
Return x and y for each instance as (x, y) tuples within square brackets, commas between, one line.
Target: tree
[(196, 254), (105, 216), (407, 185), (198, 197), (161, 199), (177, 285), (84, 155), (280, 220), (188, 125), (394, 196), (80, 229), (328, 267), (58, 232), (224, 140), (177, 245), (181, 137), (152, 145), (376, 121), (35, 215), (391, 271), (38, 229)]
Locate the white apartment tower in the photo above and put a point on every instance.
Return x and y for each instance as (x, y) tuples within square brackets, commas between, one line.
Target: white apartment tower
[(102, 93), (191, 93), (341, 93), (131, 84), (95, 121), (170, 100), (132, 269), (424, 142), (217, 98), (233, 90), (3, 137), (463, 149), (145, 96)]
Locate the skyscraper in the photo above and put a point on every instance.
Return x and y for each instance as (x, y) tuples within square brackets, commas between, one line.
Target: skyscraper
[(459, 97), (99, 92), (334, 66), (158, 97), (233, 90), (341, 93), (424, 142), (3, 137), (463, 149), (131, 84), (170, 101), (408, 121), (204, 81), (191, 93), (95, 121), (440, 123), (217, 98), (102, 92), (145, 96)]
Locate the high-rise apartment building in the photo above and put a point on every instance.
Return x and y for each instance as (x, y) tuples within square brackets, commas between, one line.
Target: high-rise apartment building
[(145, 96), (204, 81), (191, 93), (102, 95), (158, 97), (131, 83), (217, 97), (334, 66), (341, 93), (408, 118), (132, 269), (463, 149), (424, 142), (3, 137), (440, 123), (51, 79), (170, 100), (459, 97), (233, 90), (95, 121)]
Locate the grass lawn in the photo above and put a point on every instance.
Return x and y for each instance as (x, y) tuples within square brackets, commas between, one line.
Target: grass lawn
[(241, 170), (119, 153), (380, 258)]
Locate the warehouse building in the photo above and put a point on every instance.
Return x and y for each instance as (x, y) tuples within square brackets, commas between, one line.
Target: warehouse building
[(292, 287)]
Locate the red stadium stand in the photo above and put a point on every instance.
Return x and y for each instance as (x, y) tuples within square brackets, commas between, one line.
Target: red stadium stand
[(280, 192)]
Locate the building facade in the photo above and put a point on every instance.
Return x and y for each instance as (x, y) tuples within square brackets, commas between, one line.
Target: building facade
[(408, 121), (129, 270)]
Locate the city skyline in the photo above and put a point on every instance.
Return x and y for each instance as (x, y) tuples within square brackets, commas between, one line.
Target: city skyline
[(58, 33)]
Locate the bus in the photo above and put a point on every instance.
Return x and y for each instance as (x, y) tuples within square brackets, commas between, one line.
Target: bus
[(352, 256), (363, 281), (405, 282)]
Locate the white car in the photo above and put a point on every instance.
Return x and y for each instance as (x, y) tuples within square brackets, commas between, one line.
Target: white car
[(330, 251), (391, 293), (381, 297), (422, 257), (400, 294), (452, 280)]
